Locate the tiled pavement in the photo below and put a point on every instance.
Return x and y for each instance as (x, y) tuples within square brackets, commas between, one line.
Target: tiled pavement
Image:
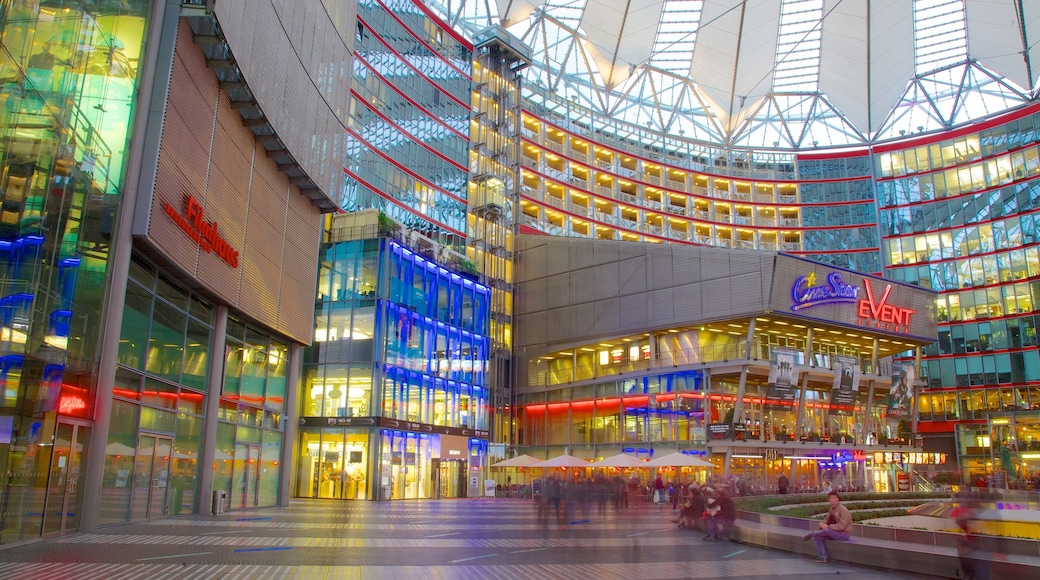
[(485, 538)]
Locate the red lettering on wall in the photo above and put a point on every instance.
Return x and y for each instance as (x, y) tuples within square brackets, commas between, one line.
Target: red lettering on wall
[(878, 313), (202, 232)]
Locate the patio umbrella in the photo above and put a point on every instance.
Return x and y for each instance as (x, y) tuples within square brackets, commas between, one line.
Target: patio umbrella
[(519, 461), (678, 460), (620, 460), (564, 460)]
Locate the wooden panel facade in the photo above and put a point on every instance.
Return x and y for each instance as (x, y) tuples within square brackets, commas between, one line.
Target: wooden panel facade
[(206, 153)]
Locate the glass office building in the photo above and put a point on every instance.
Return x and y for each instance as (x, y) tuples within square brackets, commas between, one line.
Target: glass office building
[(407, 148), (395, 394)]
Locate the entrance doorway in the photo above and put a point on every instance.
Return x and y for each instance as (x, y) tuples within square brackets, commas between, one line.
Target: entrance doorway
[(61, 510), (450, 478), (151, 477), (246, 476)]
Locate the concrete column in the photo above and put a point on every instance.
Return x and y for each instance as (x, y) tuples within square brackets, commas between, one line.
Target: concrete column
[(801, 406), (874, 370), (749, 347), (915, 385), (214, 387), (738, 405), (143, 152), (869, 405), (809, 360), (290, 419)]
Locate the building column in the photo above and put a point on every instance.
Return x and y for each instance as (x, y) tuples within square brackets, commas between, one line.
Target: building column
[(916, 386), (289, 433), (869, 406), (801, 406), (155, 80), (214, 388), (738, 405)]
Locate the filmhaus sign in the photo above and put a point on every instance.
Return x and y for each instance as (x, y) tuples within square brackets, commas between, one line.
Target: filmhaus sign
[(870, 301), (202, 232)]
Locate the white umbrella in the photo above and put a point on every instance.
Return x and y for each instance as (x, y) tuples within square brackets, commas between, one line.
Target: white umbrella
[(519, 461), (564, 460), (620, 460), (678, 460)]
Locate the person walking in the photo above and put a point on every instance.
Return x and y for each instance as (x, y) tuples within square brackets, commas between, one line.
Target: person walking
[(782, 483), (659, 490), (836, 527)]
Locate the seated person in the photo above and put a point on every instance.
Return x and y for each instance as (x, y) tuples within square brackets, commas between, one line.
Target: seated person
[(836, 527), (690, 514), (721, 515)]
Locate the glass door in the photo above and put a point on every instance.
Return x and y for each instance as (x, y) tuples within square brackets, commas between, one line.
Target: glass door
[(151, 477), (247, 476), (64, 479)]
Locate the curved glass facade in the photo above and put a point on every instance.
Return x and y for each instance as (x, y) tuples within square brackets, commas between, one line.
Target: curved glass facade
[(817, 206), (407, 141)]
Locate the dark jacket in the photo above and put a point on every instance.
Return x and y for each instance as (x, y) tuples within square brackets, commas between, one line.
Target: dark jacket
[(727, 510)]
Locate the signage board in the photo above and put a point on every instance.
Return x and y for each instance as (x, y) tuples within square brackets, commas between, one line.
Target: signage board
[(783, 374), (718, 431), (846, 381), (392, 424), (807, 289)]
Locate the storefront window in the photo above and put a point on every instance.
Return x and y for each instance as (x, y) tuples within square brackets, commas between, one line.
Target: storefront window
[(119, 464)]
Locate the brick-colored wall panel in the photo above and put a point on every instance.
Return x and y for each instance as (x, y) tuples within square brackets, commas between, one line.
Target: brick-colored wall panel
[(264, 218)]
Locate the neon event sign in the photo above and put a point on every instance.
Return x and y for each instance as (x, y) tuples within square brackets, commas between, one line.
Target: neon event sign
[(874, 311), (882, 315), (202, 232)]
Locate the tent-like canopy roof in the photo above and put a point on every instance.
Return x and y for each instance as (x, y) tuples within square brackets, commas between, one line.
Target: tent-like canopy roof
[(620, 460), (679, 460), (524, 460), (564, 460), (783, 74)]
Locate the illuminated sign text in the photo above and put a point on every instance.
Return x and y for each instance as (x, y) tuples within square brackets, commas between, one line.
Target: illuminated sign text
[(202, 232), (876, 312), (806, 293)]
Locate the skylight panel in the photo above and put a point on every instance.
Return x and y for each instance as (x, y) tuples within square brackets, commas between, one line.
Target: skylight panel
[(676, 33), (798, 46), (940, 35)]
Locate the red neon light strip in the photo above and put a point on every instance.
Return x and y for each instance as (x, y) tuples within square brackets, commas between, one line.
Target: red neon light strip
[(530, 114), (428, 46), (396, 202), (410, 100), (443, 25), (529, 141), (421, 142), (394, 162)]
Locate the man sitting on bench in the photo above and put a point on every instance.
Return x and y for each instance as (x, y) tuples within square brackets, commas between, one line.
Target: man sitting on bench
[(836, 527)]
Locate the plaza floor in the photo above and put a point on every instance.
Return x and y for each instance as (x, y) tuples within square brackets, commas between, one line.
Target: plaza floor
[(477, 538)]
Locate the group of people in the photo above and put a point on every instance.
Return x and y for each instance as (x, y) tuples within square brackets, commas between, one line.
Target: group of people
[(707, 509), (563, 499)]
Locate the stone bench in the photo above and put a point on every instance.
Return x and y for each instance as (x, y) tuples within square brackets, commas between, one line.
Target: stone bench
[(916, 551)]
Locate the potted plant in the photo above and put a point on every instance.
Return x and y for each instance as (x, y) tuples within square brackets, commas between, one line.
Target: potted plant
[(468, 268), (385, 225)]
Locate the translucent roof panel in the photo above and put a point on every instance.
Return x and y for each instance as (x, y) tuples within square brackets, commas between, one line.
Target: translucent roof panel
[(798, 46), (788, 74)]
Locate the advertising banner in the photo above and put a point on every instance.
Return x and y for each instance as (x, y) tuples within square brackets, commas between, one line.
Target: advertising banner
[(783, 374), (901, 396), (846, 382)]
